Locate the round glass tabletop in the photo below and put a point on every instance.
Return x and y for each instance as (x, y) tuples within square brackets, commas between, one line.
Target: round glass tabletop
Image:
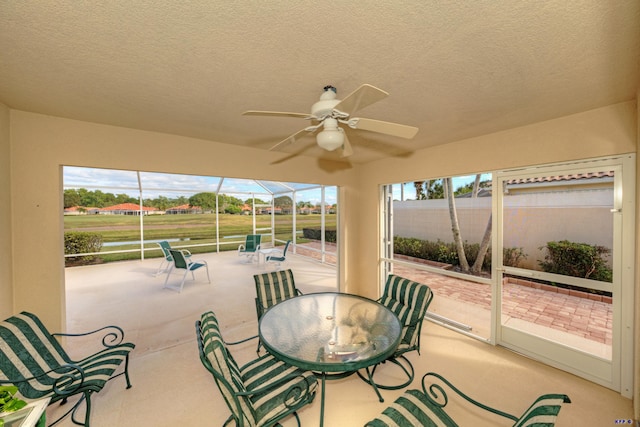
[(330, 332)]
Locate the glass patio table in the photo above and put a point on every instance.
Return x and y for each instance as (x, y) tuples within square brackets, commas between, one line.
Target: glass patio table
[(332, 334)]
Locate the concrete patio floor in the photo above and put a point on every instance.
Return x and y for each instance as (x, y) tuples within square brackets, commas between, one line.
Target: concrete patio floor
[(170, 386)]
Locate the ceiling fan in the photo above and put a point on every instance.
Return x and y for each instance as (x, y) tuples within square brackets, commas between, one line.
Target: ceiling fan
[(329, 113)]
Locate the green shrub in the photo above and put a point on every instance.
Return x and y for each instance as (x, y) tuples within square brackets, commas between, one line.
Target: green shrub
[(577, 260), (511, 257), (78, 242), (438, 251), (315, 233)]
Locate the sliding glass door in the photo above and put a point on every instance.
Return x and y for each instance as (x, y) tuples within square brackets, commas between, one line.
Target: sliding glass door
[(556, 282), (561, 273)]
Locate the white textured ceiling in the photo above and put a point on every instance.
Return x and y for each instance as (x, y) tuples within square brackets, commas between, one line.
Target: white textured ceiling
[(455, 69)]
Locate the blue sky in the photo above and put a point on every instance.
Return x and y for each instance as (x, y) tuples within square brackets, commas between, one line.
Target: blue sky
[(458, 181), (175, 185)]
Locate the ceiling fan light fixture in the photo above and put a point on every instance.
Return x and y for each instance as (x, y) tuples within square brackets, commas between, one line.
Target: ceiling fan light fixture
[(330, 139)]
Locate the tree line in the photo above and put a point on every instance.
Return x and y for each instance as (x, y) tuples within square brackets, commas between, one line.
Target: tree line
[(204, 200)]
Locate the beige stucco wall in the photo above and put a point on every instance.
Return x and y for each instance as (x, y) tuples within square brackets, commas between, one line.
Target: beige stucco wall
[(601, 132), (41, 144), (6, 290), (38, 145)]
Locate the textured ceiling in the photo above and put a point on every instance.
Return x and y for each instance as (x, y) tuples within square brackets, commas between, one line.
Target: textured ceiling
[(454, 69)]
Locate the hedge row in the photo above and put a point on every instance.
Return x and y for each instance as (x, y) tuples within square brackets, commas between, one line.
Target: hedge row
[(438, 251), (315, 233), (78, 242)]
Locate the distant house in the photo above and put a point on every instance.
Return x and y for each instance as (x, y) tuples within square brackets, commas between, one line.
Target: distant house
[(127, 209), (80, 210), (246, 209), (184, 209)]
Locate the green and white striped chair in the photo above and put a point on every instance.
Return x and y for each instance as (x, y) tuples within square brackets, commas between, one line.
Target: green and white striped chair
[(272, 288), (409, 300), (32, 359), (415, 408), (260, 393)]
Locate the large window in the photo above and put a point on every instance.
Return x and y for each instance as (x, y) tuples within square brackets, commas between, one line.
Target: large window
[(112, 215)]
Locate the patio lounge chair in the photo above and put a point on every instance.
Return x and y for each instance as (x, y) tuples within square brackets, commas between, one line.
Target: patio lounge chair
[(276, 257), (165, 265), (409, 300), (181, 262), (426, 407), (260, 393), (33, 360), (250, 247), (272, 288)]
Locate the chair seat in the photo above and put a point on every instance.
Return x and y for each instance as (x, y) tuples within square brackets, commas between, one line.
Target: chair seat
[(267, 370), (412, 409)]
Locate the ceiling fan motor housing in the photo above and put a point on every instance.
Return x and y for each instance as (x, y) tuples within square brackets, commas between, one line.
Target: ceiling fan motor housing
[(324, 107)]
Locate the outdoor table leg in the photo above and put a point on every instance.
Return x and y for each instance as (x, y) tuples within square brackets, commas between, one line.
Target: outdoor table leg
[(324, 376)]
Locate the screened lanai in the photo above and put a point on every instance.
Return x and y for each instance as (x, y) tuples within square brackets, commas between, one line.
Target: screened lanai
[(123, 214)]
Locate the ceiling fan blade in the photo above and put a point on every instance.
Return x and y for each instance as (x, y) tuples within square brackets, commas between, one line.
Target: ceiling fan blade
[(291, 139), (347, 150), (387, 128), (362, 97), (276, 114)]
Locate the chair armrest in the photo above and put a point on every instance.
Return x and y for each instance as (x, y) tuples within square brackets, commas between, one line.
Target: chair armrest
[(436, 394), (241, 341), (114, 335), (67, 380)]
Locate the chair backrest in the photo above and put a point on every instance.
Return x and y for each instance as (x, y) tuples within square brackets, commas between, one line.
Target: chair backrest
[(27, 349), (274, 287), (286, 246), (276, 257), (217, 359), (166, 247), (543, 412), (409, 300), (179, 259), (252, 242)]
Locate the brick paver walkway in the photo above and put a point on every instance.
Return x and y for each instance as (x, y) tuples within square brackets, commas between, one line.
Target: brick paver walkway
[(583, 317)]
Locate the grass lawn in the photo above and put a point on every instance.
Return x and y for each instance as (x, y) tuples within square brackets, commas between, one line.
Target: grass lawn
[(185, 230)]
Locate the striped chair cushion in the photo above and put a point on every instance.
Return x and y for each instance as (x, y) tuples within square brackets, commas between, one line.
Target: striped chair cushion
[(28, 350), (273, 287), (412, 409), (543, 411), (224, 364), (267, 370), (409, 300), (255, 409)]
